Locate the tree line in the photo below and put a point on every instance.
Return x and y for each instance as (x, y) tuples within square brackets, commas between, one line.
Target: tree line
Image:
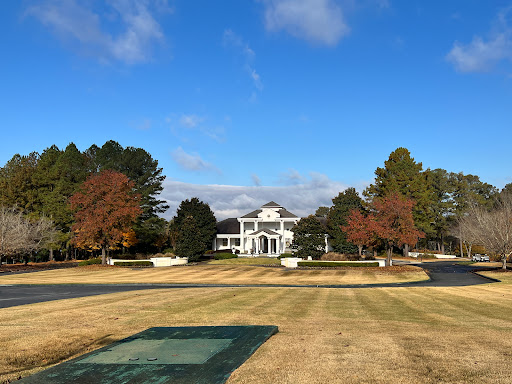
[(102, 199), (444, 209)]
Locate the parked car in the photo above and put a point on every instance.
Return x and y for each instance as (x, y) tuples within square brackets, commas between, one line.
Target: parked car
[(477, 257), (485, 258)]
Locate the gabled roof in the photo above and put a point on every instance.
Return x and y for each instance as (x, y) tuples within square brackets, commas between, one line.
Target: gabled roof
[(265, 230), (271, 204), (228, 226), (287, 214), (252, 215)]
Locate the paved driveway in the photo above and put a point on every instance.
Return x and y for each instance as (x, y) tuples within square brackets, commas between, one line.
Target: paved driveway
[(442, 274)]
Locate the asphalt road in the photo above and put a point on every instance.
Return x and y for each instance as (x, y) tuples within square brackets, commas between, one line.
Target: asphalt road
[(442, 274)]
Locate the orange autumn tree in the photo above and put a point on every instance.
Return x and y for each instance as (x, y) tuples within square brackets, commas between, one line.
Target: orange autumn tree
[(394, 223), (105, 207), (359, 229)]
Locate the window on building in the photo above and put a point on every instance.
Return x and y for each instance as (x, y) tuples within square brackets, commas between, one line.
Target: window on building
[(224, 242), (237, 242)]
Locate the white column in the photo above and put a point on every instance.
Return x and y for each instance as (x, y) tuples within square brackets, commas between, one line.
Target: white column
[(255, 225), (281, 243), (269, 245), (242, 241), (257, 245)]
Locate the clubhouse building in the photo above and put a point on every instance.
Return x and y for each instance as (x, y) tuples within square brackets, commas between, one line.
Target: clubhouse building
[(265, 231)]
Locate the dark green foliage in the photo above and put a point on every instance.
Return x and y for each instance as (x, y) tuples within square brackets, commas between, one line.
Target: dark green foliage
[(190, 241), (337, 217), (403, 175), (141, 263), (334, 264), (284, 255), (224, 256), (96, 260), (322, 212), (204, 219), (309, 237), (139, 166)]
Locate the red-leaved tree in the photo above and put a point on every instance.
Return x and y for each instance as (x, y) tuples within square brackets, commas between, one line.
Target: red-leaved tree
[(105, 207), (394, 223), (359, 229)]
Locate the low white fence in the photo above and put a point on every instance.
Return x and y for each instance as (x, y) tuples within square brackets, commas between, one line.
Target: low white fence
[(417, 254), (157, 261)]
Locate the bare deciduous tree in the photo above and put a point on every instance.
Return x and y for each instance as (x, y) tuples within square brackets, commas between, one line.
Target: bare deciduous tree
[(492, 228), (21, 235)]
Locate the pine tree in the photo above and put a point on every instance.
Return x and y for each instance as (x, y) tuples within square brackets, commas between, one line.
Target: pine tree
[(343, 204), (309, 237)]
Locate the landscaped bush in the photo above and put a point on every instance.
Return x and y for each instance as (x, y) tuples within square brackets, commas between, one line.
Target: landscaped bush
[(142, 263), (284, 255), (334, 264), (90, 262), (209, 252), (333, 256), (224, 256)]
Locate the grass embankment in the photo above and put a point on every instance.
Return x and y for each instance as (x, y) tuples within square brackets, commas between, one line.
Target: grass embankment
[(217, 274), (379, 335), (247, 261), (501, 275)]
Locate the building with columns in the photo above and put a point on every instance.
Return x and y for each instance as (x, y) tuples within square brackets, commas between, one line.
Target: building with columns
[(265, 231)]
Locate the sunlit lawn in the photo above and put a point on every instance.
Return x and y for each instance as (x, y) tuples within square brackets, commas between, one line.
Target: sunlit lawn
[(365, 335), (247, 261), (217, 274)]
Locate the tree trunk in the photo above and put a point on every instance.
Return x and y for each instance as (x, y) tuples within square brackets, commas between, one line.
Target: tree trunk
[(504, 259), (461, 246), (52, 258), (103, 257), (388, 260), (360, 248), (374, 252), (406, 250), (442, 244)]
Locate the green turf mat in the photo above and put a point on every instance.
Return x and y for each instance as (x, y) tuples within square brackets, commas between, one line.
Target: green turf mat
[(163, 355)]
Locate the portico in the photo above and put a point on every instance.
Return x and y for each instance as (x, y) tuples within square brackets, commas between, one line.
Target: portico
[(264, 231)]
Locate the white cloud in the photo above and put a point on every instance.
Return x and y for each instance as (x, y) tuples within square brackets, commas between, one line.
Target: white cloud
[(231, 39), (482, 55), (233, 201), (318, 21), (84, 27), (192, 162), (191, 121)]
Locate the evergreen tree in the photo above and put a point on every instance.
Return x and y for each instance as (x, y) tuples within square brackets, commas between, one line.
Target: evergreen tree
[(203, 217), (402, 174), (343, 204), (190, 241), (309, 237)]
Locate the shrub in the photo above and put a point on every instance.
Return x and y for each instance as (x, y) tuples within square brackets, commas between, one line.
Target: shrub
[(209, 252), (224, 256), (90, 262), (284, 255), (167, 250), (142, 263), (333, 256), (334, 264)]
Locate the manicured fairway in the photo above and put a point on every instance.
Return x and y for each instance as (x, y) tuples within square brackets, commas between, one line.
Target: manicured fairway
[(213, 274), (369, 335)]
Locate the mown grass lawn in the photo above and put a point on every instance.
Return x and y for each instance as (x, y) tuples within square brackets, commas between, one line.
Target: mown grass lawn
[(215, 274), (365, 335)]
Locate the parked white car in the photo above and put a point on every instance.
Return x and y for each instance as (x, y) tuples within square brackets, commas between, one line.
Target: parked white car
[(477, 257)]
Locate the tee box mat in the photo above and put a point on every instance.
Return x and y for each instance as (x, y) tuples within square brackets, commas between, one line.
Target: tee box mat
[(163, 355)]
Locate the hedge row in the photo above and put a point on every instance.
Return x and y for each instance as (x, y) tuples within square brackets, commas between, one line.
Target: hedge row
[(224, 256), (142, 263), (90, 262), (334, 264)]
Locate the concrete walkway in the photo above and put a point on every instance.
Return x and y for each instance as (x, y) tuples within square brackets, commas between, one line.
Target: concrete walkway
[(442, 274)]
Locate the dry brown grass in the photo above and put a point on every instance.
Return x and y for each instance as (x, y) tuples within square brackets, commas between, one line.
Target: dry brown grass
[(379, 335), (503, 276), (214, 274), (247, 261)]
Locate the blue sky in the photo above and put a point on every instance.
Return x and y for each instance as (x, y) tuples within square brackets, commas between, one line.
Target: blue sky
[(242, 102)]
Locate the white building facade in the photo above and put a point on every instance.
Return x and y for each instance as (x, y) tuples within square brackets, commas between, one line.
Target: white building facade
[(265, 231)]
